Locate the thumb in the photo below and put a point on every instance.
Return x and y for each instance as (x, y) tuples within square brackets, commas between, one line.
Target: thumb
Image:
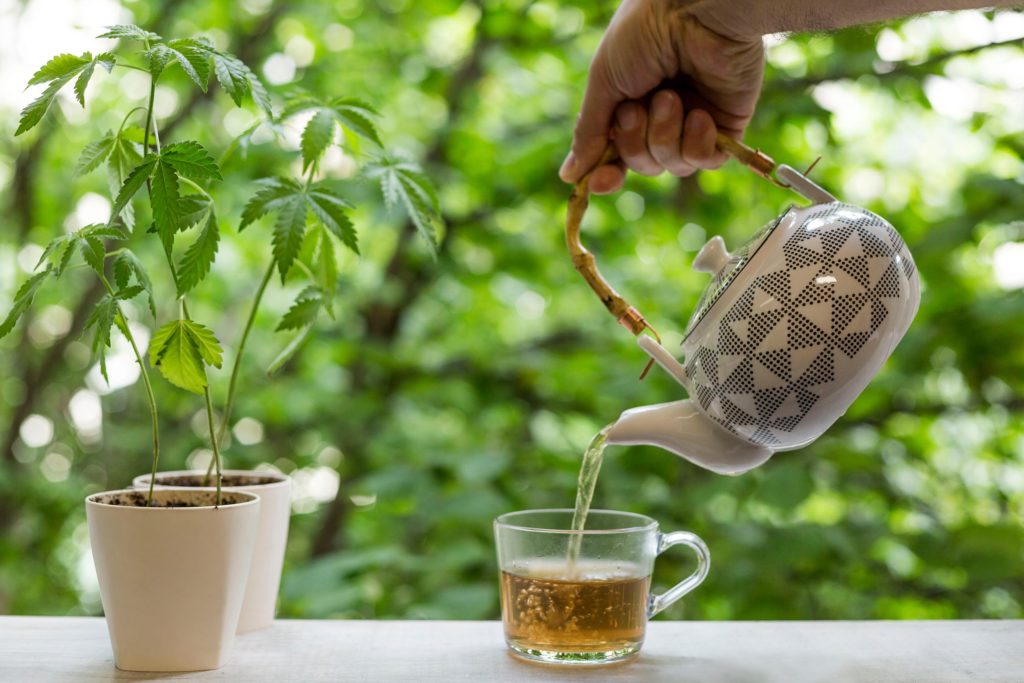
[(590, 136)]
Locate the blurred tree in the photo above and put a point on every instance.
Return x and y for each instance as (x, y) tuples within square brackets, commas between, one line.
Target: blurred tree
[(454, 389)]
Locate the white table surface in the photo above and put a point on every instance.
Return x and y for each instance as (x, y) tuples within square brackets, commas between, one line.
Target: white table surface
[(76, 649)]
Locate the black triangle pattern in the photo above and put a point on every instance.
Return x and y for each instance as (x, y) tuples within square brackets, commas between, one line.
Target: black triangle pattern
[(832, 225)]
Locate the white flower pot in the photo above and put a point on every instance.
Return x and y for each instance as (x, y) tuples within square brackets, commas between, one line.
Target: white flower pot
[(274, 490), (172, 578)]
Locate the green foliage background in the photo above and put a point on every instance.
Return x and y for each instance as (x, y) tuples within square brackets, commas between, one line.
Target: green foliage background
[(450, 391)]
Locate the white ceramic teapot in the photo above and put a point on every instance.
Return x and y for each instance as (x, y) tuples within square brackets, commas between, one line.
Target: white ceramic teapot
[(792, 327)]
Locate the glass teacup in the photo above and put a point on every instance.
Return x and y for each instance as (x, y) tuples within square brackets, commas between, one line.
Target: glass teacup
[(584, 596)]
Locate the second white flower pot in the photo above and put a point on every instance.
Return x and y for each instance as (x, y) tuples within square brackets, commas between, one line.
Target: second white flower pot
[(274, 490)]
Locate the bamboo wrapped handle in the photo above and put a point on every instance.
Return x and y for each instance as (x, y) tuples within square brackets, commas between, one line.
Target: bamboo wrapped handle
[(628, 316)]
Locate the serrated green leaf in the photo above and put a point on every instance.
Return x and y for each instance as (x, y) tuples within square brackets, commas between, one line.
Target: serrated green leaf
[(356, 116), (206, 342), (62, 66), (316, 137), (232, 75), (199, 256), (290, 349), (403, 183), (332, 210), (175, 352), (82, 81), (128, 292), (259, 93), (158, 57), (94, 154), (193, 60), (191, 161), (273, 193), (106, 60), (194, 208), (134, 181), (163, 199), (103, 231), (22, 300), (128, 31), (52, 250), (69, 250), (34, 111), (327, 270), (302, 312), (126, 264), (124, 157), (289, 229), (93, 252), (102, 319)]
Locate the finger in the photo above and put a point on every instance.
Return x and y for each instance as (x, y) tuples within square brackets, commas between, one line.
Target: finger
[(590, 137), (630, 134), (664, 131), (608, 178), (699, 149)]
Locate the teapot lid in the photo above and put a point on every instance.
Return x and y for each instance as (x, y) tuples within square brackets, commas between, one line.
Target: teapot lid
[(724, 267)]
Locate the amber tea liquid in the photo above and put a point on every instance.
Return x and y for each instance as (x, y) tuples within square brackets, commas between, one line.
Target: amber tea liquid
[(597, 607)]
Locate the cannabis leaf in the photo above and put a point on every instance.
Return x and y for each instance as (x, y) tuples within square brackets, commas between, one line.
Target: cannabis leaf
[(291, 201), (60, 67), (273, 193), (130, 31), (332, 211), (350, 113), (181, 349), (22, 300), (356, 116), (327, 269), (158, 57), (106, 60), (194, 59), (191, 160), (94, 154), (102, 319), (198, 258), (303, 311), (194, 208), (87, 240), (127, 264), (170, 214), (124, 157), (289, 230), (403, 182), (132, 183), (58, 72), (316, 137)]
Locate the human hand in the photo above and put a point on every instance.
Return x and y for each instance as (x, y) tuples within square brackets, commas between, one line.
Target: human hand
[(661, 85)]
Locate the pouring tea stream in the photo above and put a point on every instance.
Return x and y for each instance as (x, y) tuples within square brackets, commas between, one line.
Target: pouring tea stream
[(792, 327)]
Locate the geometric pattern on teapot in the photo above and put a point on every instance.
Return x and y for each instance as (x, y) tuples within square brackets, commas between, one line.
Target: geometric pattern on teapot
[(775, 351)]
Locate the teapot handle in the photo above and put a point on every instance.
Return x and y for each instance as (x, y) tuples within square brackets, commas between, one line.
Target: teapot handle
[(666, 360)]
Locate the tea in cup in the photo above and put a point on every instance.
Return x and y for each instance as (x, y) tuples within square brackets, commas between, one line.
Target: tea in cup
[(584, 596)]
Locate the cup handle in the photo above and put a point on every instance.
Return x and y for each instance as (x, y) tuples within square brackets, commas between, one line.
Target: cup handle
[(656, 603)]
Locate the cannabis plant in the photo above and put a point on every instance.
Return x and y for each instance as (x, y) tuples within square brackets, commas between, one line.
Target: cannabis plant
[(175, 179)]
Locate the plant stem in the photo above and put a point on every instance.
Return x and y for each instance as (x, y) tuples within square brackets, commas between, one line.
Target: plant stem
[(213, 439), (149, 115), (229, 403), (149, 389), (151, 125)]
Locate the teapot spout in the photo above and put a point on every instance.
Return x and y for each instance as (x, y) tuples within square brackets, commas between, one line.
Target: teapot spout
[(681, 428)]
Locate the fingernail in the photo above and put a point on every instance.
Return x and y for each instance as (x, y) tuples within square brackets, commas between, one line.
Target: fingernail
[(627, 117), (661, 109), (568, 170)]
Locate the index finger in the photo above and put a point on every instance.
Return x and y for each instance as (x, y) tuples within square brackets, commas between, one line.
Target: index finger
[(590, 137)]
